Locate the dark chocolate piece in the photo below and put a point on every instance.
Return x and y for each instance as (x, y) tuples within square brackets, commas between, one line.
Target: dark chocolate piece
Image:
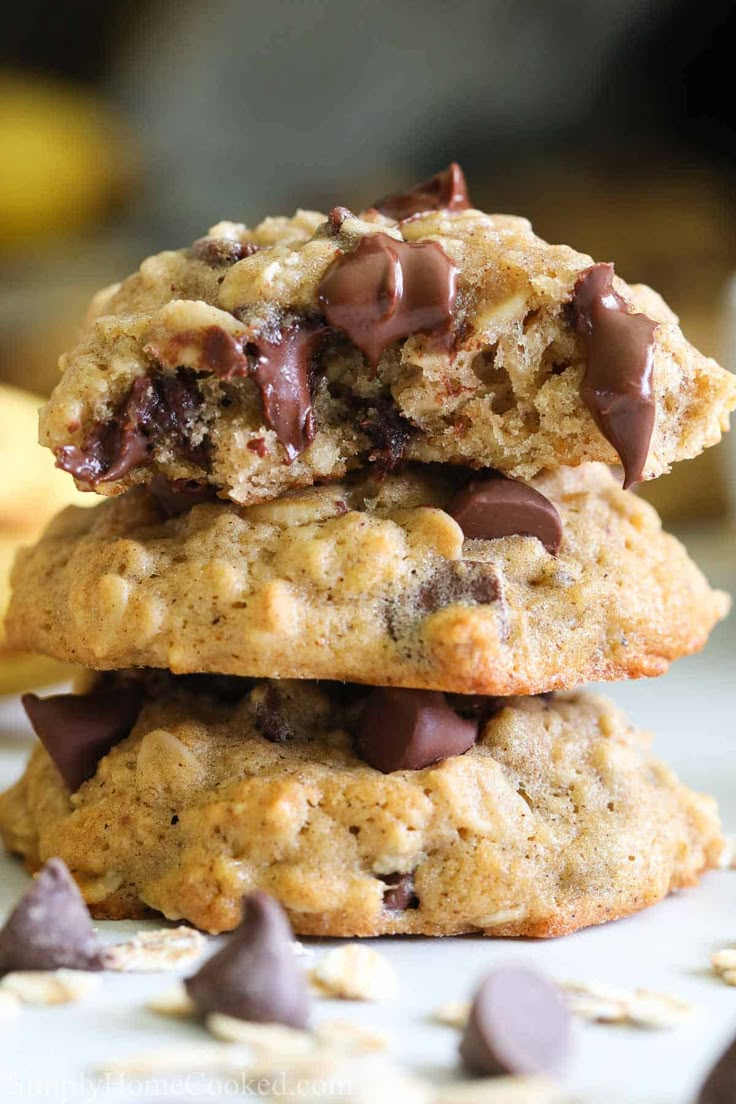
[(269, 718), (388, 432), (386, 290), (518, 1024), (337, 217), (254, 977), (719, 1086), (281, 366), (617, 385), (399, 895), (50, 927), (500, 507), (153, 408), (447, 191), (77, 730), (177, 496), (220, 252), (410, 729)]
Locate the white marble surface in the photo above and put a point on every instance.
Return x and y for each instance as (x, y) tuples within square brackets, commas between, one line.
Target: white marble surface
[(46, 1054)]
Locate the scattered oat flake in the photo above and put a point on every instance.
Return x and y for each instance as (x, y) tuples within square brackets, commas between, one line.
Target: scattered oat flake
[(265, 1040), (727, 860), (182, 1058), (174, 1002), (501, 1090), (349, 1037), (638, 1007), (49, 986), (152, 951), (724, 964), (452, 1013), (355, 972), (9, 1005)]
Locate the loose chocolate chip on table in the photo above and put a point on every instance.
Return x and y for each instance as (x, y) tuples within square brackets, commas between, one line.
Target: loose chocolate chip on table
[(153, 408), (385, 290), (499, 507), (399, 895), (518, 1024), (77, 730), (447, 191), (410, 729), (254, 977), (50, 927), (719, 1086), (617, 385)]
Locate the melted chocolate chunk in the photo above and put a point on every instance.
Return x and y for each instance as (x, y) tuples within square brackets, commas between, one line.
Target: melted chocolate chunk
[(719, 1086), (388, 432), (499, 507), (77, 730), (446, 191), (154, 408), (50, 928), (254, 977), (386, 290), (518, 1024), (399, 895), (281, 366), (617, 386), (220, 252), (177, 496), (460, 581), (410, 729)]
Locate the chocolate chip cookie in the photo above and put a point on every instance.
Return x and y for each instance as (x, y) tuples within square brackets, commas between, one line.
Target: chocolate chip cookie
[(432, 578), (549, 814), (269, 358)]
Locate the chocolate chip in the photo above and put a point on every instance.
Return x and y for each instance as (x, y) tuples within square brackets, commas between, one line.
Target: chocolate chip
[(153, 409), (388, 433), (254, 977), (386, 290), (50, 928), (447, 191), (281, 366), (399, 895), (518, 1024), (410, 729), (177, 496), (336, 218), (617, 385), (77, 730), (456, 581), (269, 718), (499, 507), (477, 707), (719, 1086), (220, 252)]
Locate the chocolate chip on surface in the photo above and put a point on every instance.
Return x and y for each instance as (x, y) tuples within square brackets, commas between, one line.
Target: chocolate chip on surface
[(447, 191), (386, 290), (460, 581), (411, 729), (337, 217), (254, 977), (617, 385), (518, 1024), (499, 507), (399, 894), (50, 927), (719, 1086), (77, 730), (220, 252)]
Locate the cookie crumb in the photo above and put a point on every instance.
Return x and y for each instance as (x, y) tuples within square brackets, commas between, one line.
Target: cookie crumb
[(354, 972)]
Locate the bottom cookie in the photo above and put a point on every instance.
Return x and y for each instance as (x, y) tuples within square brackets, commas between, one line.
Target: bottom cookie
[(557, 817)]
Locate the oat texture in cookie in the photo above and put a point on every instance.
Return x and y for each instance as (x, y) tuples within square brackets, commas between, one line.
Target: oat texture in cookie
[(556, 817), (270, 357), (424, 579)]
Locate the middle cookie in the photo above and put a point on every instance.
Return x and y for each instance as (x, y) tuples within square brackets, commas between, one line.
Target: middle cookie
[(401, 581)]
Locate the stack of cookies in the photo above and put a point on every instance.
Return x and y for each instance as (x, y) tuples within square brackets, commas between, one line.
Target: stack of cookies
[(364, 536)]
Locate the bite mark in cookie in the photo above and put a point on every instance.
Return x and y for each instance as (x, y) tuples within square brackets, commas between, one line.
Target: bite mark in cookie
[(50, 927), (77, 730), (617, 387), (385, 290), (445, 191)]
